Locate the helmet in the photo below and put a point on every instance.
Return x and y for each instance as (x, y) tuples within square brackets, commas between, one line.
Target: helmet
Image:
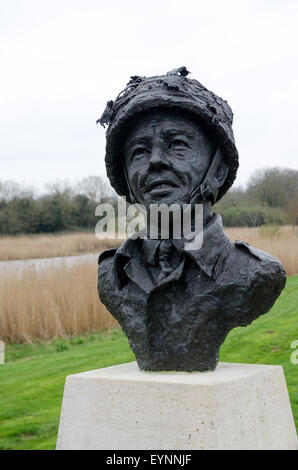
[(171, 91)]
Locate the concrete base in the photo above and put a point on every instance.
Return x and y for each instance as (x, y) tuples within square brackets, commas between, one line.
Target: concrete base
[(239, 406)]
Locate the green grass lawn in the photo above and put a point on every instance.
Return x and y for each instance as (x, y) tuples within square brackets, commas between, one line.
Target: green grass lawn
[(32, 380)]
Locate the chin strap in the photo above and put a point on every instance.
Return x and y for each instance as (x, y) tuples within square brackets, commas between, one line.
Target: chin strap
[(131, 195), (208, 188)]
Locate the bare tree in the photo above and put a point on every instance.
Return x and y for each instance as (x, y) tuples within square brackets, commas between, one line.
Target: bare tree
[(95, 188), (273, 187), (10, 190)]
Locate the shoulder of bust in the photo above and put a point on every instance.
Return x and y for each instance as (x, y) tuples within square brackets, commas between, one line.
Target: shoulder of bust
[(107, 255), (254, 278), (106, 281), (260, 265), (257, 254), (106, 268), (246, 263)]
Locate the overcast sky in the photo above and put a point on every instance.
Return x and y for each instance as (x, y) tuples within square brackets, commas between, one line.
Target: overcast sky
[(61, 60)]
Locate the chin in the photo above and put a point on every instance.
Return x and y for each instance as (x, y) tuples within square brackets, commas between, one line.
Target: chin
[(165, 199)]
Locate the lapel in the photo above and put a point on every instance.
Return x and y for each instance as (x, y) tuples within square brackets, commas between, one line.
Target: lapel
[(214, 242), (140, 276), (129, 265)]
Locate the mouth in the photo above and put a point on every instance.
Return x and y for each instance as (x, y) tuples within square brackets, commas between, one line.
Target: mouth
[(161, 185)]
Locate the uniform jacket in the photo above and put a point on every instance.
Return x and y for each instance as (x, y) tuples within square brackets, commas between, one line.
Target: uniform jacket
[(181, 322)]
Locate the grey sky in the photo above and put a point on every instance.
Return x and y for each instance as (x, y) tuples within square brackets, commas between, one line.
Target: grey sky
[(61, 60)]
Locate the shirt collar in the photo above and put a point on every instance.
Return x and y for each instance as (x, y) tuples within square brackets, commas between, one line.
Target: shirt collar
[(214, 240), (128, 261)]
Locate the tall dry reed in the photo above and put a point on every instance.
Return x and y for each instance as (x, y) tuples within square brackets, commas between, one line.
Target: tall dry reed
[(61, 301), (49, 246), (282, 242)]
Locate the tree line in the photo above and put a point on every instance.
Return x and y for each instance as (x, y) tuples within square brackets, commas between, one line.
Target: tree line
[(63, 207), (270, 197)]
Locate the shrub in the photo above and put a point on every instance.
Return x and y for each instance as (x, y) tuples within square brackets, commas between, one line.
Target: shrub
[(252, 216)]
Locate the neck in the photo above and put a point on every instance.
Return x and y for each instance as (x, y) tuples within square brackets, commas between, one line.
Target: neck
[(155, 227)]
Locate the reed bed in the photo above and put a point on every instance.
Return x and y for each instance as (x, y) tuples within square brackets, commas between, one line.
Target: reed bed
[(61, 301), (282, 242), (49, 246)]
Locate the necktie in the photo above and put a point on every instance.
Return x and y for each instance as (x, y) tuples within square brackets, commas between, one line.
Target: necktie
[(164, 253)]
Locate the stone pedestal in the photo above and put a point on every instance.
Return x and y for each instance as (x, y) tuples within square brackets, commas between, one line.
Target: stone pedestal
[(239, 406)]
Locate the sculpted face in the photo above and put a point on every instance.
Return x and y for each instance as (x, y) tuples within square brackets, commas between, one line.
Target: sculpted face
[(166, 157)]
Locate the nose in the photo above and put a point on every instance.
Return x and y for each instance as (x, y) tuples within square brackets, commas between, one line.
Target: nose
[(157, 158)]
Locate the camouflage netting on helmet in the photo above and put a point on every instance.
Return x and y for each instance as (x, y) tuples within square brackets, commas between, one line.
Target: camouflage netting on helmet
[(171, 91)]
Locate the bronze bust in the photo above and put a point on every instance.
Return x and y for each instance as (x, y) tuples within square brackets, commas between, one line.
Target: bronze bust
[(170, 140)]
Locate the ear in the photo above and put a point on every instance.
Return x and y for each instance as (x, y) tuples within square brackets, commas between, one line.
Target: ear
[(221, 172)]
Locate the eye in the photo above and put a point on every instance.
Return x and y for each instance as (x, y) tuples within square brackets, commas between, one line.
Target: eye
[(139, 151), (178, 144)]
